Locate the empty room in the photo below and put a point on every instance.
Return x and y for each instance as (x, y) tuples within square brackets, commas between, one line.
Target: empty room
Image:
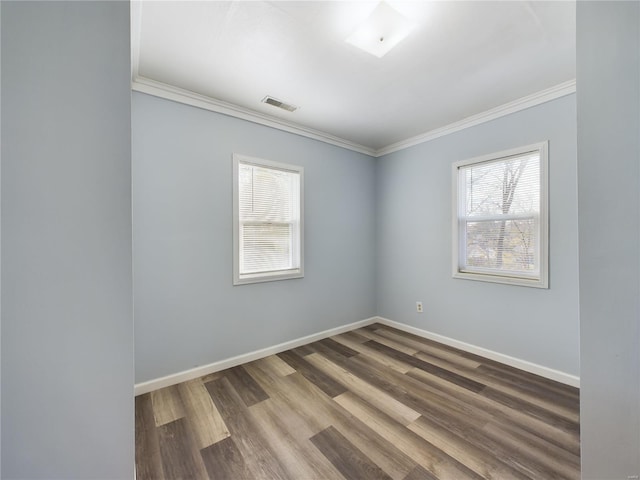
[(320, 240)]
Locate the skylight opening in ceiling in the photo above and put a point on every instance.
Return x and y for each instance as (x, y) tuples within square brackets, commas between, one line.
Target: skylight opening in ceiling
[(384, 29)]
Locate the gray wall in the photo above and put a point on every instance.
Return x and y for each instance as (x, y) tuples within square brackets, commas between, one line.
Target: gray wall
[(0, 240), (608, 76), (67, 346), (187, 312), (414, 243), (66, 351)]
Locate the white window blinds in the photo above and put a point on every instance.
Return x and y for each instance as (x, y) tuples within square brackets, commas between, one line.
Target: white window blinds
[(269, 220), (501, 217)]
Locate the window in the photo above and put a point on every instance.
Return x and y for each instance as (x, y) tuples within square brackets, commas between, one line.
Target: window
[(268, 220), (500, 217)]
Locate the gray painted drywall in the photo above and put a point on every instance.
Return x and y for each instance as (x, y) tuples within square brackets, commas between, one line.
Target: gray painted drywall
[(67, 346), (414, 243), (187, 312), (0, 240), (608, 78)]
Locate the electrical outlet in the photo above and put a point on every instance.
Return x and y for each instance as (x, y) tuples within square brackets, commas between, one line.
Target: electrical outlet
[(419, 307)]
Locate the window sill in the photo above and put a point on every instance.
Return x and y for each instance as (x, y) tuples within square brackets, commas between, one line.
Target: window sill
[(504, 279), (267, 277)]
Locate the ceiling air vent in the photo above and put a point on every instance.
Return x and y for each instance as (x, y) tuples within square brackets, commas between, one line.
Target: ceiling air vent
[(279, 104)]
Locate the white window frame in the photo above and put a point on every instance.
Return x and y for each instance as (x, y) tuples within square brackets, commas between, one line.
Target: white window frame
[(459, 234), (248, 278)]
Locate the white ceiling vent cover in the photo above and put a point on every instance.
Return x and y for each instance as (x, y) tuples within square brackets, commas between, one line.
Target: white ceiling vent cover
[(277, 103)]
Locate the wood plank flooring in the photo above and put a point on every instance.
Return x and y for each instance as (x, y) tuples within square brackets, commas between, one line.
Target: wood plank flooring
[(375, 403)]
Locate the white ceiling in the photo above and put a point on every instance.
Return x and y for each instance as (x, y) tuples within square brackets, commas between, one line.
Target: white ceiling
[(462, 59)]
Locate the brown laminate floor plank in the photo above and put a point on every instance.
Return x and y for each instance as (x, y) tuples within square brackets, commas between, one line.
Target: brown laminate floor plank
[(428, 367), (205, 421), (180, 459), (282, 429), (562, 395), (319, 412), (375, 402), (424, 347), (424, 453), (350, 461), (366, 351), (351, 336), (473, 456), (567, 409), (497, 435), (439, 397), (373, 336), (247, 388), (148, 458), (419, 473), (505, 374), (481, 408), (381, 400), (338, 347), (331, 349), (499, 370), (413, 393), (305, 422), (224, 461), (520, 460), (328, 352), (565, 463), (167, 405), (276, 365), (257, 453), (528, 429), (315, 376), (542, 414), (303, 351)]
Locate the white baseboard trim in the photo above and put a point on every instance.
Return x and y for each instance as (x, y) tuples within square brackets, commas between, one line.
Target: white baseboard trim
[(525, 365), (173, 379)]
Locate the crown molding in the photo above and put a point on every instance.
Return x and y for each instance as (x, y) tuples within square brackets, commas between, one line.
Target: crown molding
[(168, 92), (518, 105)]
